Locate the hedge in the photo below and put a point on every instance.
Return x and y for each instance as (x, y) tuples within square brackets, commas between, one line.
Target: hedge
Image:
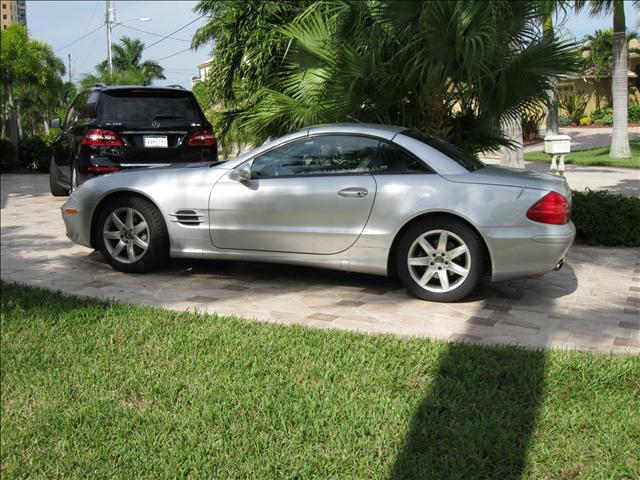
[(602, 218)]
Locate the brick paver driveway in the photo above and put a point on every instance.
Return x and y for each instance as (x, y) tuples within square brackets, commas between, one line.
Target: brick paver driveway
[(592, 304)]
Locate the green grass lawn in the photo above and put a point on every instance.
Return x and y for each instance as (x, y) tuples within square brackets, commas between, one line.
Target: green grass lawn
[(592, 156), (95, 390)]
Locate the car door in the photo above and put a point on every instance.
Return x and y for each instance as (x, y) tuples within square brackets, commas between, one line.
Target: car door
[(63, 148), (312, 195)]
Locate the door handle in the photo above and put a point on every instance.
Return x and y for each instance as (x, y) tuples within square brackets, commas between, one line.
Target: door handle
[(353, 192)]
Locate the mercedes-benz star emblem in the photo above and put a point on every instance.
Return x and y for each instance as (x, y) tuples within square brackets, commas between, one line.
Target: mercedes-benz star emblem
[(155, 124)]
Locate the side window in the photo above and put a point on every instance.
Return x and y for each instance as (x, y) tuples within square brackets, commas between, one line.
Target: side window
[(325, 155), (88, 107), (72, 114), (76, 107), (393, 160)]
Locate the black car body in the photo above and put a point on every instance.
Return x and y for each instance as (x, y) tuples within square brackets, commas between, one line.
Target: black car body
[(113, 128)]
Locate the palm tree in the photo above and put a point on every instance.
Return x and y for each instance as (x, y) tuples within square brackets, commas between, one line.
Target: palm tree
[(128, 66), (248, 55), (457, 70), (619, 80), (547, 10), (27, 67)]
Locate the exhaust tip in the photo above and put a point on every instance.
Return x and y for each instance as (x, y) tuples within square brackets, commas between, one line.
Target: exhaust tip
[(559, 265)]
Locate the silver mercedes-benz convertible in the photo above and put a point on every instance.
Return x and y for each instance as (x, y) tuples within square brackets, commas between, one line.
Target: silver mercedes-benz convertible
[(365, 198)]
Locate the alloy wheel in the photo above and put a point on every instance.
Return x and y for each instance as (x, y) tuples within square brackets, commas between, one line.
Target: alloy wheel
[(439, 261), (126, 235)]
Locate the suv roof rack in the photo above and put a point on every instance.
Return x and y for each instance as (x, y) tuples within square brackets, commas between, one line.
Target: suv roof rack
[(176, 86)]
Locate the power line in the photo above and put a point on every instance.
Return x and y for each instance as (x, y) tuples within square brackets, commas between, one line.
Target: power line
[(172, 33), (78, 39), (172, 55), (154, 34)]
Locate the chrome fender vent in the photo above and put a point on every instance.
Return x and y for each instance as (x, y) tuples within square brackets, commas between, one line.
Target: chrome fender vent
[(186, 217)]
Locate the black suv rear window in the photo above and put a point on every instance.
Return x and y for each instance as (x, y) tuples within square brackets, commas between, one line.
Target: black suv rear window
[(466, 159), (146, 106)]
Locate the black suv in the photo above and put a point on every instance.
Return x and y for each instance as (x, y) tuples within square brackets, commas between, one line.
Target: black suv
[(108, 129)]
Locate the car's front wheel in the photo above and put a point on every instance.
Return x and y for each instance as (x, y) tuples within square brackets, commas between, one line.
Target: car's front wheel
[(439, 259), (132, 235)]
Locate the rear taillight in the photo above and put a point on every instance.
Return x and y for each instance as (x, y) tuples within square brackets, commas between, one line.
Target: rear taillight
[(552, 208), (97, 137), (202, 138)]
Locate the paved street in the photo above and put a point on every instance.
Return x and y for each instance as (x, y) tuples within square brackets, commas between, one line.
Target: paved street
[(592, 304), (625, 181), (583, 138)]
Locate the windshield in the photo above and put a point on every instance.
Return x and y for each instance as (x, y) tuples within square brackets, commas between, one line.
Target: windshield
[(146, 106), (466, 159)]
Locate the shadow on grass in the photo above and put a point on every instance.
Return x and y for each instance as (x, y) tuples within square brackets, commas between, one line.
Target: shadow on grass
[(478, 417)]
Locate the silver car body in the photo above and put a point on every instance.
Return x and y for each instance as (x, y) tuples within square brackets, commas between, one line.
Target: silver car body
[(345, 222)]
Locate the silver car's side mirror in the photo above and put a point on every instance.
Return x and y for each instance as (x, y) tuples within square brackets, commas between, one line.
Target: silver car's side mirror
[(242, 173)]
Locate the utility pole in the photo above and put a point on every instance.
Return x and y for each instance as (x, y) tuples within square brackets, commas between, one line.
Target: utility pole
[(109, 19), (69, 68)]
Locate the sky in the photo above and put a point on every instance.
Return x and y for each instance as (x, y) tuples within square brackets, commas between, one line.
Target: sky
[(60, 23)]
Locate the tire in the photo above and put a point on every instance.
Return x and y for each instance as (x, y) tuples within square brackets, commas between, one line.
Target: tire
[(54, 181), (435, 276), (122, 247)]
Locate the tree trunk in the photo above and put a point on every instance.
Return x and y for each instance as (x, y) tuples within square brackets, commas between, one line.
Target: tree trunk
[(13, 127), (552, 106), (619, 86), (514, 156), (552, 111), (46, 125)]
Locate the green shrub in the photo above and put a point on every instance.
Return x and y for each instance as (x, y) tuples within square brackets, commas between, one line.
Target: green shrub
[(7, 154), (574, 106), (35, 153), (602, 218), (564, 120), (602, 116), (634, 112)]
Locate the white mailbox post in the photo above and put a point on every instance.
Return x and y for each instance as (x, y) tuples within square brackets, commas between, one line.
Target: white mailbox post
[(557, 146)]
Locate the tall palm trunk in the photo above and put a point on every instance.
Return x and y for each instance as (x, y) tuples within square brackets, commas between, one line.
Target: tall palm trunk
[(14, 131), (514, 156), (619, 85), (552, 105)]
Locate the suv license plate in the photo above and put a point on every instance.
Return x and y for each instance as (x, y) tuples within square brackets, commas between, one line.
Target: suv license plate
[(155, 141)]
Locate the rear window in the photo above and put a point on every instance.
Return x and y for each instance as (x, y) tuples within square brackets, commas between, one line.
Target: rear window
[(466, 159), (146, 106)]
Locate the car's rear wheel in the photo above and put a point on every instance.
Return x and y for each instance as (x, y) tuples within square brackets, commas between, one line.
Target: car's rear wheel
[(54, 181), (132, 235), (439, 259)]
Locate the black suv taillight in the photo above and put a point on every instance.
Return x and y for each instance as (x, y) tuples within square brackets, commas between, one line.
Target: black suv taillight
[(97, 137), (202, 138)]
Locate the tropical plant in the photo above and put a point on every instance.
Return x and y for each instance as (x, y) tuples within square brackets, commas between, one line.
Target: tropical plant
[(548, 11), (30, 80), (597, 52), (574, 105), (452, 69), (602, 116), (248, 54), (128, 67), (619, 81), (531, 120)]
